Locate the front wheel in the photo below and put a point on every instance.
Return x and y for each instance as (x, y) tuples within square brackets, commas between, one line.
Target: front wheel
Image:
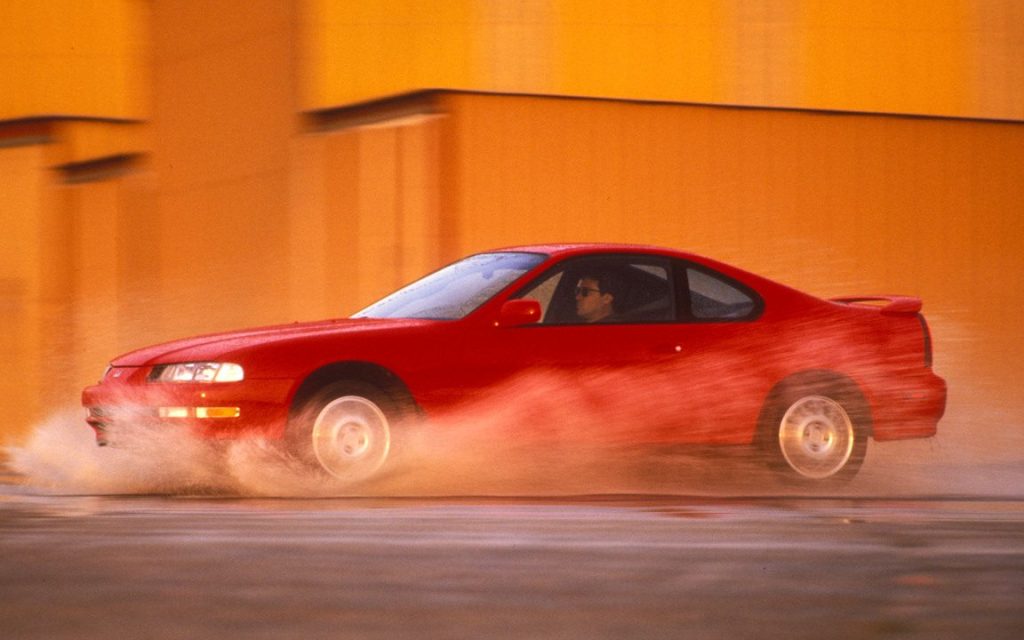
[(817, 435), (345, 430)]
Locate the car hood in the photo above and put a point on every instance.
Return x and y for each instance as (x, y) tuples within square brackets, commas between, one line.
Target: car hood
[(213, 346)]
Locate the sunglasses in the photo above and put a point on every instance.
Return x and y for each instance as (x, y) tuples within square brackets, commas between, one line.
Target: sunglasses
[(583, 292)]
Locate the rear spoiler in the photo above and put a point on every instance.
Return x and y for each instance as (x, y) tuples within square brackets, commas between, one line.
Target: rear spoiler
[(887, 305)]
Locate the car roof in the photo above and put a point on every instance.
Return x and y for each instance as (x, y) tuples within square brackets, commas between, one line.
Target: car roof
[(581, 248)]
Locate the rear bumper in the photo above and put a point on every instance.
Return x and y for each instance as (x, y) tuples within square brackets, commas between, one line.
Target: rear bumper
[(910, 408), (252, 408)]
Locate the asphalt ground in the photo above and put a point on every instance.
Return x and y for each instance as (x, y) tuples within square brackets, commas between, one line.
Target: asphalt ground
[(170, 538), (614, 566)]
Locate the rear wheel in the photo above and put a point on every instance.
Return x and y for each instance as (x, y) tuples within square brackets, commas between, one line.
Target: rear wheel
[(817, 433), (346, 430)]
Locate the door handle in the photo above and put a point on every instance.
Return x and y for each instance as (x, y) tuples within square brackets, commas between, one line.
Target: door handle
[(668, 349)]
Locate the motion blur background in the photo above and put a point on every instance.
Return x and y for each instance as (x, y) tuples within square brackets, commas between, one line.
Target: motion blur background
[(169, 167)]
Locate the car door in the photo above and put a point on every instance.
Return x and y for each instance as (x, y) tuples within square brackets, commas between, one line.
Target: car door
[(724, 346), (598, 374), (678, 363)]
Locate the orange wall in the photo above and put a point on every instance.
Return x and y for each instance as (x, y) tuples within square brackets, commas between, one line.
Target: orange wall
[(184, 238), (223, 121), (70, 256), (74, 58), (239, 214), (948, 57), (21, 279), (941, 57), (365, 213)]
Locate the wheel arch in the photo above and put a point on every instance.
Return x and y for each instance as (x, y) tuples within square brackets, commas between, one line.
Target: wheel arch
[(367, 372), (813, 380)]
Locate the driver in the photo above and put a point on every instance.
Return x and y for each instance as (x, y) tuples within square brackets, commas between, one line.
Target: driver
[(595, 297)]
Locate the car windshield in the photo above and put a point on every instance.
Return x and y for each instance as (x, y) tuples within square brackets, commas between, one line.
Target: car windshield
[(456, 290)]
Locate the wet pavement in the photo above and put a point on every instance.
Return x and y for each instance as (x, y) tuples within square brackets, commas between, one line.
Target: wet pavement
[(622, 566)]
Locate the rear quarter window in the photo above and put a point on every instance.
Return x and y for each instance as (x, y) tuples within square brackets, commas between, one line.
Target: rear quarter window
[(716, 297)]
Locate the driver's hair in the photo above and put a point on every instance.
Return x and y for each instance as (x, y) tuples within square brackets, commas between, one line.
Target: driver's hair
[(608, 281)]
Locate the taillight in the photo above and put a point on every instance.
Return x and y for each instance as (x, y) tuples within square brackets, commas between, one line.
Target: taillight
[(927, 341)]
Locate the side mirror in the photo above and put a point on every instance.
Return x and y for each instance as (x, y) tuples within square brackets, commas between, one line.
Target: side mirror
[(518, 313)]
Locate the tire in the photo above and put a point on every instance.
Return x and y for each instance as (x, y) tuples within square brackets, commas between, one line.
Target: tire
[(817, 433), (345, 430)]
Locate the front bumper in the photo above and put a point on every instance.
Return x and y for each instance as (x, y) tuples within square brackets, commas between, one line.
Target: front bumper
[(125, 398)]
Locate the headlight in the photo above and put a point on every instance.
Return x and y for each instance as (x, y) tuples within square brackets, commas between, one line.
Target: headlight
[(197, 372)]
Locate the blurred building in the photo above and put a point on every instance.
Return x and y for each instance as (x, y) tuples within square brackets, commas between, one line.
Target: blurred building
[(170, 167)]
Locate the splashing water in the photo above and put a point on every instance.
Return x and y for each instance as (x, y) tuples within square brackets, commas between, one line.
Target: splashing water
[(522, 439)]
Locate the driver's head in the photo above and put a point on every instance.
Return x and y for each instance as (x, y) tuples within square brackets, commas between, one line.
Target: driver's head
[(595, 296)]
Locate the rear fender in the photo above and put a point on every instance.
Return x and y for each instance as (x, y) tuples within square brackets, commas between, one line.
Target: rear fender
[(815, 381)]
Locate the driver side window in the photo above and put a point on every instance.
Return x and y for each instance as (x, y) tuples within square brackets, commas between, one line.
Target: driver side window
[(543, 292), (635, 289)]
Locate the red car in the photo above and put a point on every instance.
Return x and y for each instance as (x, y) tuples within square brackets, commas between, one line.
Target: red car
[(684, 349)]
